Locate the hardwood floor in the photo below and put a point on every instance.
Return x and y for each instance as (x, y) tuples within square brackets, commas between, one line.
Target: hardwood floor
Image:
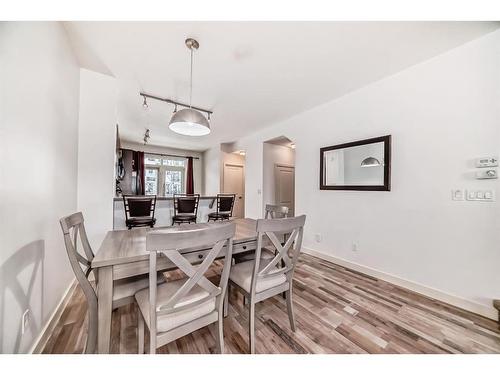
[(337, 310)]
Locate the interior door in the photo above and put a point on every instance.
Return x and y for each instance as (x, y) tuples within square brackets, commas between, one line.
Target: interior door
[(285, 187), (234, 183)]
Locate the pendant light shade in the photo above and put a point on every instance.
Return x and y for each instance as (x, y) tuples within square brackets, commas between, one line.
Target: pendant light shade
[(189, 122), (370, 162)]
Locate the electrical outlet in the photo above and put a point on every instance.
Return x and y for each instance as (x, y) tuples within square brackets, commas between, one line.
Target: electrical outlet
[(25, 321), (318, 237), (354, 246)]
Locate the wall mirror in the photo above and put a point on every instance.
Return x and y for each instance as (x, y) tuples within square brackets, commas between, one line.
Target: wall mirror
[(360, 165)]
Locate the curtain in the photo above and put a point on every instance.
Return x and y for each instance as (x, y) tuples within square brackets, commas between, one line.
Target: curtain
[(189, 176), (141, 186)]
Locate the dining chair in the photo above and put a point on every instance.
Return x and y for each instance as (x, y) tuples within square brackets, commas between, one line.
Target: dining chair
[(139, 210), (73, 229), (225, 204), (261, 279), (177, 308), (185, 208), (275, 211), (272, 212)]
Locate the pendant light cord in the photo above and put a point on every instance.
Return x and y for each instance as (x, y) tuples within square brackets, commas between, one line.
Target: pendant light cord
[(191, 81)]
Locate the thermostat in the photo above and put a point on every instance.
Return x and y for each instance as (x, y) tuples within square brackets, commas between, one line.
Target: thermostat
[(486, 174)]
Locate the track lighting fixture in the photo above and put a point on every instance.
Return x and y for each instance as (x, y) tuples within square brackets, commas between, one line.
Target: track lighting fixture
[(145, 103), (190, 120), (146, 136)]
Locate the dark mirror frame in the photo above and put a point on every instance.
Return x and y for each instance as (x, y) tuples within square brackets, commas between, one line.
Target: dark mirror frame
[(387, 165)]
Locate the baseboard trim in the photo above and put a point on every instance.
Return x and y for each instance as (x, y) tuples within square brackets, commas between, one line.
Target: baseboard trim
[(49, 327), (474, 307)]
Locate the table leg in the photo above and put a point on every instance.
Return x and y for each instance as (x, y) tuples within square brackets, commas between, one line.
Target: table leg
[(105, 304)]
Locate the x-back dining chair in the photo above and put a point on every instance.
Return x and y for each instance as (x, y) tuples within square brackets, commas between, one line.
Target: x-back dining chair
[(73, 228), (177, 308), (275, 211), (272, 212), (261, 279)]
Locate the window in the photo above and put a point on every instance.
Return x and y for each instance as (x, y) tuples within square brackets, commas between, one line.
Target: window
[(151, 181), (174, 181), (164, 175)]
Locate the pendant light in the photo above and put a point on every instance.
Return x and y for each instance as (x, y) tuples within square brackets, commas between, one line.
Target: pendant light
[(189, 121)]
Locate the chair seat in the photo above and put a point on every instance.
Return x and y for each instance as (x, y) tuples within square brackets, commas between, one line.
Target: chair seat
[(164, 293), (241, 275), (137, 220), (129, 287), (184, 217), (218, 215)]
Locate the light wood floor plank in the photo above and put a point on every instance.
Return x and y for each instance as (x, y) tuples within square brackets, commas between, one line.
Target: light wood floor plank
[(337, 310)]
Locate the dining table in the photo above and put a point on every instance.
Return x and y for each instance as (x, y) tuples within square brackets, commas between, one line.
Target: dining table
[(123, 254)]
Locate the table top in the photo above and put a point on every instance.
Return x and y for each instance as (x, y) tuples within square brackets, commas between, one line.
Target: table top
[(127, 246)]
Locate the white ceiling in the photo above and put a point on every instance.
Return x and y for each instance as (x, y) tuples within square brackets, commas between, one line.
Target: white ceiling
[(251, 74)]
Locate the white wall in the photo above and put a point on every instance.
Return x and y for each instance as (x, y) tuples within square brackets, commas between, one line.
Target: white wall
[(197, 163), (96, 153), (39, 80), (273, 154), (442, 114), (211, 171)]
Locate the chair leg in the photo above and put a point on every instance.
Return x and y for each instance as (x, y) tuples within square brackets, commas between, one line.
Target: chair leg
[(152, 342), (91, 344), (251, 327), (140, 332), (289, 306), (219, 327), (226, 302)]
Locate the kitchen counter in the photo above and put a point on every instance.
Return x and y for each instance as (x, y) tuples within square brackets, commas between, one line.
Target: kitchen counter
[(169, 198), (164, 211)]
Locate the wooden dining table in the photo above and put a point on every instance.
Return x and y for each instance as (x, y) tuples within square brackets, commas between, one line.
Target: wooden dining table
[(123, 254)]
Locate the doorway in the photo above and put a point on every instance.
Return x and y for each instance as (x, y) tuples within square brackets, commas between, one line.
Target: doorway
[(234, 183), (284, 176), (278, 186)]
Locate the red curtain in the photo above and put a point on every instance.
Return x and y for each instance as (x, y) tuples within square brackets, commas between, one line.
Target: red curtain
[(141, 184), (189, 176)]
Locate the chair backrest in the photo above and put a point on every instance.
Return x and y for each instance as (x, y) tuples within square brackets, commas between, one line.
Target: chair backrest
[(276, 212), (73, 229), (143, 205), (171, 241), (186, 204), (225, 203), (287, 253)]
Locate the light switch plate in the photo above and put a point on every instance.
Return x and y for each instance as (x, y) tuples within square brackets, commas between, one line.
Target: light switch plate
[(485, 195)]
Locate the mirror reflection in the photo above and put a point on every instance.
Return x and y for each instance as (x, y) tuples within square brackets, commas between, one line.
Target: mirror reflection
[(360, 165)]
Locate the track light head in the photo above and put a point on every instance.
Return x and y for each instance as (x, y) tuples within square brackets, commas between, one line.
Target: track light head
[(145, 103)]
